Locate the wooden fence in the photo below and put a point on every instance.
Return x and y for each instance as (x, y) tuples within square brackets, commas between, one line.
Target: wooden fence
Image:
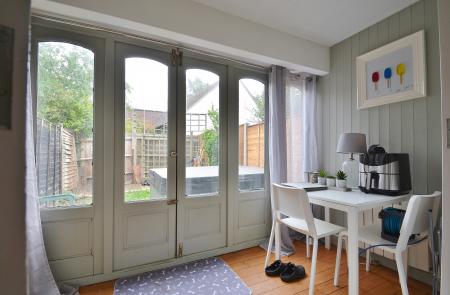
[(56, 159), (60, 169), (251, 145), (146, 151)]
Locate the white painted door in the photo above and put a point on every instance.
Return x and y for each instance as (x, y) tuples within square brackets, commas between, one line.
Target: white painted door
[(202, 150), (170, 151), (145, 171)]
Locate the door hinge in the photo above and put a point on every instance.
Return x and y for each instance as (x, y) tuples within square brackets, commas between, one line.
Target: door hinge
[(173, 57), (180, 249), (172, 202), (180, 57), (176, 57)]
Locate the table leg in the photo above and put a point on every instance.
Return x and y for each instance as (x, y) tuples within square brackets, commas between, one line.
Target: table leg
[(353, 255), (327, 219)]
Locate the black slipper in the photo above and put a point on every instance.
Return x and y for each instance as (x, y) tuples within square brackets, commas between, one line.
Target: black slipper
[(276, 268), (293, 273)]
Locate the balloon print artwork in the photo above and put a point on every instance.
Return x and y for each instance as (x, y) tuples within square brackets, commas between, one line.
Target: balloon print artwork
[(388, 76), (401, 69), (392, 73), (375, 79)]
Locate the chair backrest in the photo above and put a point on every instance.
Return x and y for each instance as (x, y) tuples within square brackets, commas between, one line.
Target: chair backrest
[(417, 218), (293, 202)]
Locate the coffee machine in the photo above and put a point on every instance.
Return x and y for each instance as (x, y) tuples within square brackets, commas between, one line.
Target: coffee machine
[(384, 173)]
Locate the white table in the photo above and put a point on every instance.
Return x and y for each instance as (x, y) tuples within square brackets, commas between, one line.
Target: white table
[(352, 203)]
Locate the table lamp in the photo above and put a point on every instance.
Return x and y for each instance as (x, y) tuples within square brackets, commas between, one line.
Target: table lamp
[(351, 143)]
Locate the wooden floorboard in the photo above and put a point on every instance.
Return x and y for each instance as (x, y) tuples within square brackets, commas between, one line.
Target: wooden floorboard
[(249, 265)]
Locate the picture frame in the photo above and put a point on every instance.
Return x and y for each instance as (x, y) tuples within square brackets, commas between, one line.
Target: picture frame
[(392, 73)]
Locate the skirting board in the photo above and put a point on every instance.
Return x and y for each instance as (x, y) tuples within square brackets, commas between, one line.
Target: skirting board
[(157, 265)]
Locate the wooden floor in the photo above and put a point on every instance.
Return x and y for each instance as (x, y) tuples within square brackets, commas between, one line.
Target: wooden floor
[(249, 264)]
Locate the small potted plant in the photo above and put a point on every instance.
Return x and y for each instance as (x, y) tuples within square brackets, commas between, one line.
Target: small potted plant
[(341, 179), (322, 179), (331, 180)]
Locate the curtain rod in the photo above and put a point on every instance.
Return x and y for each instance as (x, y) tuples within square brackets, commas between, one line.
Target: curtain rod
[(135, 36)]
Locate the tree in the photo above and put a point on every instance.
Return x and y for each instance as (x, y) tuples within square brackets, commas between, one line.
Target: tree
[(65, 86), (210, 138), (196, 86), (259, 109)]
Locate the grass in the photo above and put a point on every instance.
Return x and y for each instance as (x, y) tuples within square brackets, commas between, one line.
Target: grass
[(138, 195)]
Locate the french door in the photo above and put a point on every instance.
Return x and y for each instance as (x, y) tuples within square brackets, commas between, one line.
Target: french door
[(170, 156), (201, 170)]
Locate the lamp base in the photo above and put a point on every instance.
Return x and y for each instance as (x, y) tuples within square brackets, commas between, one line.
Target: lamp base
[(351, 168)]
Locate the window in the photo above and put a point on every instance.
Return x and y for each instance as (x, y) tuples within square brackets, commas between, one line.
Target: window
[(251, 134), (294, 130), (64, 125), (202, 132), (146, 137)]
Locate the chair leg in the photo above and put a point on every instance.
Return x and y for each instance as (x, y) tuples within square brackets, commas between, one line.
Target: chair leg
[(368, 260), (313, 266), (277, 240), (401, 273), (337, 269), (308, 248), (269, 246), (405, 261)]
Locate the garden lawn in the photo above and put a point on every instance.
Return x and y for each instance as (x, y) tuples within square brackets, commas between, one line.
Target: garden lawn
[(138, 195)]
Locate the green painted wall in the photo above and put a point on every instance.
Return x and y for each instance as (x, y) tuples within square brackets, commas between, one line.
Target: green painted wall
[(412, 127)]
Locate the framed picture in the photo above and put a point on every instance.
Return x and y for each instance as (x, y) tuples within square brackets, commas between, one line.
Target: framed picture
[(392, 73)]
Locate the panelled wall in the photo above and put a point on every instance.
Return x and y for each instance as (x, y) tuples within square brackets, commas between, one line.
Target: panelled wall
[(411, 127)]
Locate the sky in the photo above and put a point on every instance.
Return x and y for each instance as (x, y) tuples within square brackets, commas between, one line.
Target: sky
[(148, 82)]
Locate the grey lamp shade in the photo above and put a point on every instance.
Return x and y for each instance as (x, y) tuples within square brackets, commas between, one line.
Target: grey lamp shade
[(352, 143)]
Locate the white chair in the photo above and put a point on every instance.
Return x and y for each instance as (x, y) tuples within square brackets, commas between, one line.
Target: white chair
[(294, 203), (416, 221)]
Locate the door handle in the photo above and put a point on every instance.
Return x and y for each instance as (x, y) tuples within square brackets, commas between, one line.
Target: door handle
[(172, 202), (173, 154)]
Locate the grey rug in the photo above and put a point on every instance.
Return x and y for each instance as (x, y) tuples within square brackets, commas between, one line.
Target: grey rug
[(211, 276)]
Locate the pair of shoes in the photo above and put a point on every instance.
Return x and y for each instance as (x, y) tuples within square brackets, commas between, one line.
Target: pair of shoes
[(288, 272)]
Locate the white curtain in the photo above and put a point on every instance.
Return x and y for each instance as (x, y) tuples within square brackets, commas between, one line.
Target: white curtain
[(40, 279), (292, 132), (301, 127), (39, 276)]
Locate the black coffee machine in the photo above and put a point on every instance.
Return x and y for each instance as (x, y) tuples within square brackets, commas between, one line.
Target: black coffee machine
[(384, 173)]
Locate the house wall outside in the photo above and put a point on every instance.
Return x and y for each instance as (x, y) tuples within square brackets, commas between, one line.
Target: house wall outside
[(411, 127), (14, 14)]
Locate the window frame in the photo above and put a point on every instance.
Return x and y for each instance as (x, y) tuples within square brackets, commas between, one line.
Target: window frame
[(240, 74), (41, 34)]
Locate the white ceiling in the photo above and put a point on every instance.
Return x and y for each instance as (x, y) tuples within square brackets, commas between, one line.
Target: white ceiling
[(324, 21)]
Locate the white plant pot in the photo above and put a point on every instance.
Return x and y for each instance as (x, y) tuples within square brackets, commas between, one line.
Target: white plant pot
[(341, 183), (322, 180), (331, 182)]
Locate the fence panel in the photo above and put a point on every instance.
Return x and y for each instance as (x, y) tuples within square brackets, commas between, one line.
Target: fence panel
[(49, 158), (251, 145)]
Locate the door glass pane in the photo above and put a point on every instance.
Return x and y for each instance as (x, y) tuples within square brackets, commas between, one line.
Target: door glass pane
[(146, 106), (64, 124), (251, 135), (202, 132)]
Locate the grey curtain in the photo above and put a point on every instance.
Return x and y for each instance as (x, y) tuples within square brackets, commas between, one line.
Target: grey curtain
[(292, 135), (310, 153), (277, 141)]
